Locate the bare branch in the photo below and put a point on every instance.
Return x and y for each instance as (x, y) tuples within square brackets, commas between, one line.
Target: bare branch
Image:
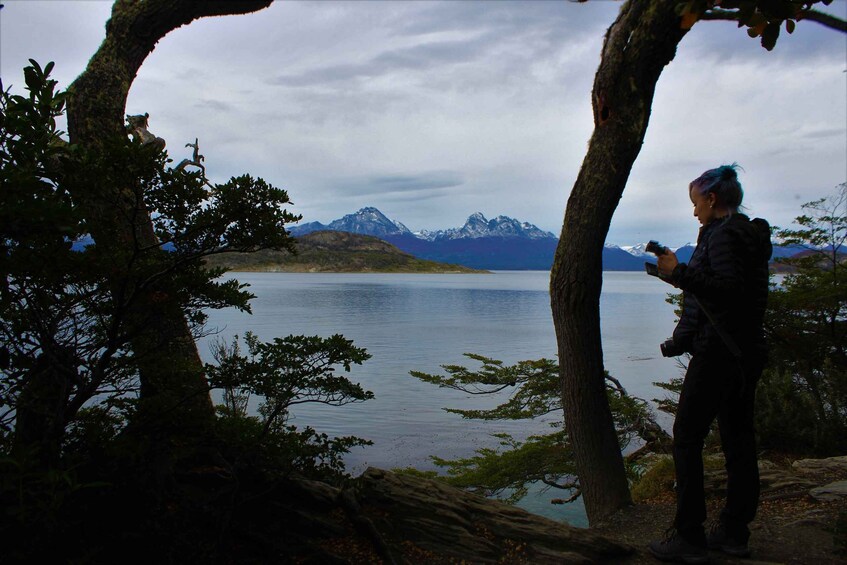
[(568, 500), (717, 14)]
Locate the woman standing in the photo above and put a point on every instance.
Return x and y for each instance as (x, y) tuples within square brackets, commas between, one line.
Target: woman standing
[(725, 288)]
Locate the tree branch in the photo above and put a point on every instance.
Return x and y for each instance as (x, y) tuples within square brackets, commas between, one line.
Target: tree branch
[(826, 20), (717, 14)]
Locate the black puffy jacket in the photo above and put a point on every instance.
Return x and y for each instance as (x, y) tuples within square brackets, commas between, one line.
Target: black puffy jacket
[(725, 284)]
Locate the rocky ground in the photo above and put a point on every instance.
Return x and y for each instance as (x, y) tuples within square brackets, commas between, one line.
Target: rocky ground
[(802, 517), (384, 517)]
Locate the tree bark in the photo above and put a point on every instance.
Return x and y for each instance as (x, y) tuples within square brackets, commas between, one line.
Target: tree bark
[(637, 47), (173, 388)]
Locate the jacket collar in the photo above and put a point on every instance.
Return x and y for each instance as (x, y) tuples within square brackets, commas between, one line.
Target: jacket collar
[(705, 230)]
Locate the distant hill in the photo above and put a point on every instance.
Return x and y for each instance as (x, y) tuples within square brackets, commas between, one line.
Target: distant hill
[(334, 252), (487, 252), (824, 259)]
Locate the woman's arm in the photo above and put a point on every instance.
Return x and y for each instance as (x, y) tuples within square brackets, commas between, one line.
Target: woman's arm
[(723, 275)]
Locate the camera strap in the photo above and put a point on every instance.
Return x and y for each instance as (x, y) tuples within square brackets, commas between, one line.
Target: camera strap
[(733, 348), (736, 352)]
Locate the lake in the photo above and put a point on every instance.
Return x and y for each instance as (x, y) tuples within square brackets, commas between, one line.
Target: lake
[(422, 321)]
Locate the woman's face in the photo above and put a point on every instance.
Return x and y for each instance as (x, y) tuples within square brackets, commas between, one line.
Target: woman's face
[(704, 206)]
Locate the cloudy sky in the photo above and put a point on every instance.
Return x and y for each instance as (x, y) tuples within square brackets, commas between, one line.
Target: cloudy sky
[(431, 111)]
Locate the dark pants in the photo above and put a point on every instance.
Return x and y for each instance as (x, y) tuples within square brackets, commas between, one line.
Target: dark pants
[(714, 387)]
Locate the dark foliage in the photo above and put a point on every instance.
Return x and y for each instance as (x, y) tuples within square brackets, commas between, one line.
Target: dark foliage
[(534, 390), (803, 395), (75, 455)]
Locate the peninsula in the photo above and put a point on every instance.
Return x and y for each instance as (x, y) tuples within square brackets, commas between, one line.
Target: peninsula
[(335, 252)]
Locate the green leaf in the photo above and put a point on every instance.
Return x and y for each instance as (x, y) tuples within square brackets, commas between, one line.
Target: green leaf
[(31, 77), (770, 35)]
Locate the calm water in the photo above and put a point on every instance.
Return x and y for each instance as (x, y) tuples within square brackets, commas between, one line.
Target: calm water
[(419, 322)]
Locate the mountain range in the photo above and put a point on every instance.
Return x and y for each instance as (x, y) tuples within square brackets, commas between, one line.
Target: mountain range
[(502, 243)]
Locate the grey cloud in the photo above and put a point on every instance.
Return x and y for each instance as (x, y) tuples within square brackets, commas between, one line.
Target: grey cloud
[(428, 55), (418, 57), (216, 105), (330, 74), (424, 184), (534, 31), (823, 133), (505, 17), (191, 74), (425, 181)]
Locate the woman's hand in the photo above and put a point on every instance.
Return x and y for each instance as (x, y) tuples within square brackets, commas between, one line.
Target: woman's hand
[(666, 263)]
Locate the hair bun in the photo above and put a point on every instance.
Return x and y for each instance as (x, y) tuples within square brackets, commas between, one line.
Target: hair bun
[(727, 172)]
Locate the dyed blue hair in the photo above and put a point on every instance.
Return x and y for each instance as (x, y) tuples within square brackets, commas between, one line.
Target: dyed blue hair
[(723, 183)]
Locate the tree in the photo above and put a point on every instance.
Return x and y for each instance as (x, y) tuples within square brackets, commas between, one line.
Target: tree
[(280, 374), (535, 391), (119, 216), (73, 321), (77, 446), (636, 48), (803, 405)]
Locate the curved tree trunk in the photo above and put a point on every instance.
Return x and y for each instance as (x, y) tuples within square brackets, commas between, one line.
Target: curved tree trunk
[(174, 393), (637, 47)]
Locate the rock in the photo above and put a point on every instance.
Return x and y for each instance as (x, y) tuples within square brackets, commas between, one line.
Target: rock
[(427, 520), (772, 479), (813, 518), (318, 493), (764, 464), (775, 479), (830, 492), (830, 464)]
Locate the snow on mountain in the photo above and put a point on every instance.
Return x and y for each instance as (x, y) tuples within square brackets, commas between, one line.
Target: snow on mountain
[(637, 250), (369, 221), (477, 226)]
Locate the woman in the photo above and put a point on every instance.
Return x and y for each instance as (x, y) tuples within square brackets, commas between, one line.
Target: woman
[(725, 287)]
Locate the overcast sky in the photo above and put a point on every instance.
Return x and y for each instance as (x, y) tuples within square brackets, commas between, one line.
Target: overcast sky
[(431, 111)]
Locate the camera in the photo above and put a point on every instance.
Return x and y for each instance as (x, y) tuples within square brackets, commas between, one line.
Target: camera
[(657, 249), (670, 348)]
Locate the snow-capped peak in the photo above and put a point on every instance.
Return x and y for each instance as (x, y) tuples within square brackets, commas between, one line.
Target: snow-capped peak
[(369, 221), (637, 250), (689, 244), (477, 225)]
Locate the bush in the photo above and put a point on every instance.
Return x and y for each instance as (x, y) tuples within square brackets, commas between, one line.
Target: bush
[(657, 480)]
